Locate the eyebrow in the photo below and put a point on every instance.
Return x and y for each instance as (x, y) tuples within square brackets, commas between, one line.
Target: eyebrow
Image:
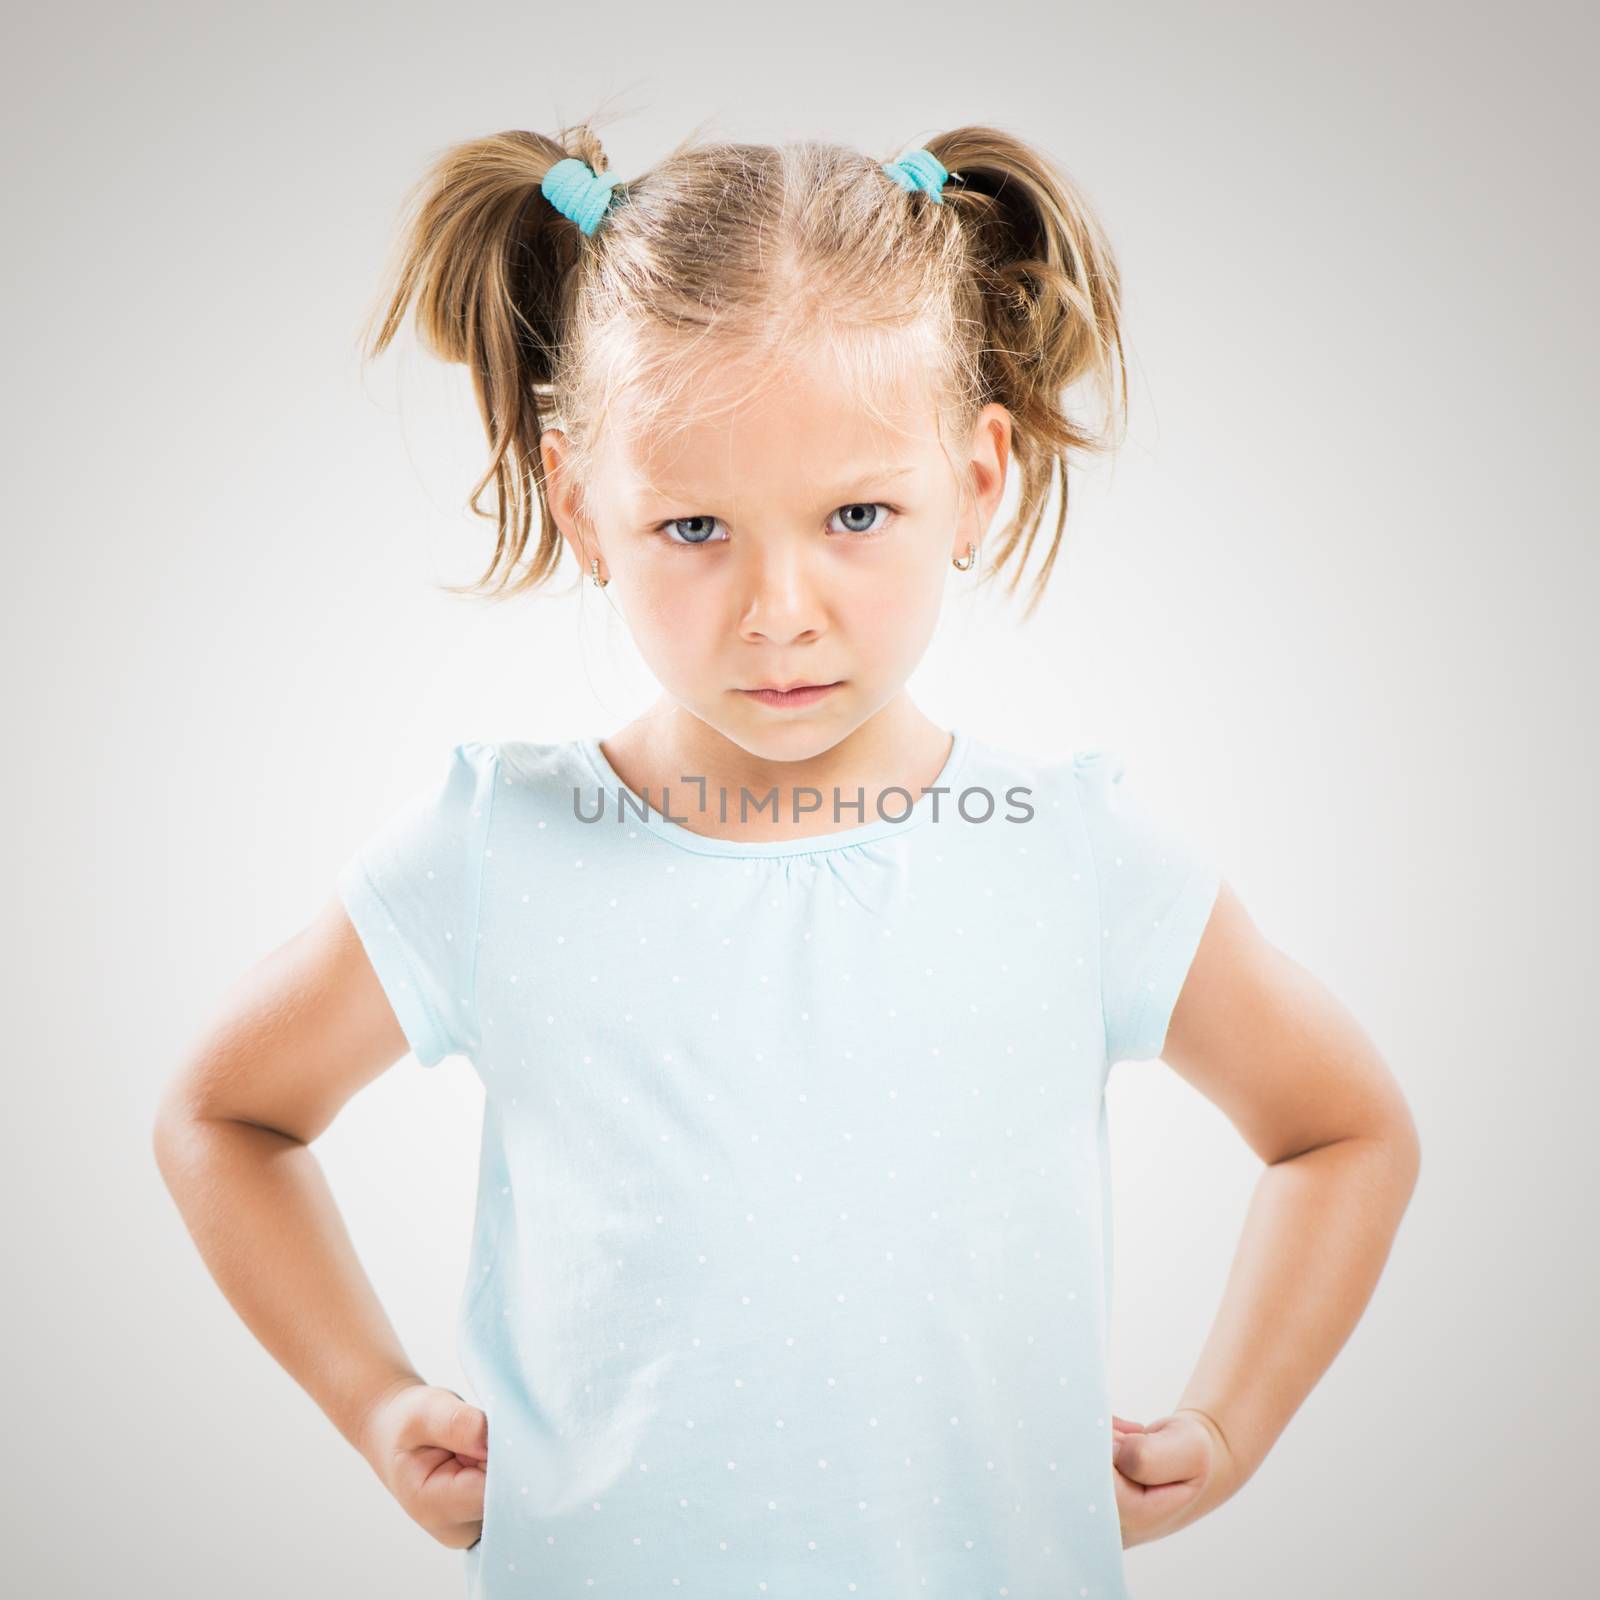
[(875, 477), (868, 477)]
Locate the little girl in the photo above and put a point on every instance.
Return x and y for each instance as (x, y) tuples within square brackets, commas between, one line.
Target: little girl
[(793, 1010)]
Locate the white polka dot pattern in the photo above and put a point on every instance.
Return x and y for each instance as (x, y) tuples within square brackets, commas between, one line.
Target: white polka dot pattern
[(791, 1271)]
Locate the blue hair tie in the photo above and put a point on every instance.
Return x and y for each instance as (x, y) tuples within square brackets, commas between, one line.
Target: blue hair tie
[(577, 191), (920, 170)]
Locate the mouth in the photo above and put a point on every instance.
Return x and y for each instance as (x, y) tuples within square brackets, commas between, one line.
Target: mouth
[(799, 694)]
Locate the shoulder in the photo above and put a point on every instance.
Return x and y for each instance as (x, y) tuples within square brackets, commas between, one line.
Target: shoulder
[(476, 760), (1097, 769), (1087, 788), (1125, 816), (528, 762), (1050, 779), (526, 787), (444, 808), (1097, 774), (462, 793)]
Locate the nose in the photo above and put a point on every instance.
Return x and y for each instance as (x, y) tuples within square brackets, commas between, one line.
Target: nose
[(784, 604)]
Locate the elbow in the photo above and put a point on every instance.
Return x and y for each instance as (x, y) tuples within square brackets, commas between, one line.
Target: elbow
[(163, 1139), (1402, 1144), (1390, 1152), (1413, 1156), (170, 1129)]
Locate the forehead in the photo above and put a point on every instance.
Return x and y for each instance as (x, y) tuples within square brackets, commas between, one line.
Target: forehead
[(732, 424)]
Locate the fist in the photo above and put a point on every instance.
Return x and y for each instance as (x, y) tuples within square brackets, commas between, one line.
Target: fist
[(431, 1450), (1161, 1472)]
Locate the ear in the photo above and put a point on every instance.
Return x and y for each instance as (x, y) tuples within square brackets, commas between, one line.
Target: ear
[(560, 490), (988, 457)]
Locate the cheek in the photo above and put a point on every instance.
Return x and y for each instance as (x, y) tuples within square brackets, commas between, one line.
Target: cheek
[(660, 589), (901, 602), (676, 628), (665, 626)]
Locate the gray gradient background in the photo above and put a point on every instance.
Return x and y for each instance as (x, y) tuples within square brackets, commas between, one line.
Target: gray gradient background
[(1328, 604)]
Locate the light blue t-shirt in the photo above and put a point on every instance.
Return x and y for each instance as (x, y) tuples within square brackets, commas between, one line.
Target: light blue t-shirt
[(791, 1271)]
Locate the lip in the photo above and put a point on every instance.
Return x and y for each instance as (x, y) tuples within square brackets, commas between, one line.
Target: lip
[(798, 695)]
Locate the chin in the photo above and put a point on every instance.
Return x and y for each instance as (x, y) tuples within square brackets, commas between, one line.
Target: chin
[(790, 736)]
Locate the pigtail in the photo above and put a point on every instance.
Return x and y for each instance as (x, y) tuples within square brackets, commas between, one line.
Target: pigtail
[(489, 266), (1048, 297)]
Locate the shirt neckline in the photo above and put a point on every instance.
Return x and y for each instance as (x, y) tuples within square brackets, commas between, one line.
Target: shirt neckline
[(706, 844)]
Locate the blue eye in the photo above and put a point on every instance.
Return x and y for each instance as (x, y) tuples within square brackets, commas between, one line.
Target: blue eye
[(703, 525), (867, 506), (701, 536)]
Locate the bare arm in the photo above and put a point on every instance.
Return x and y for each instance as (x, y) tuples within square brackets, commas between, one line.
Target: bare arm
[(293, 1040), (1267, 1043)]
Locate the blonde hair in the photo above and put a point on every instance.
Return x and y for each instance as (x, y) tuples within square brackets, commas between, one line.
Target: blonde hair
[(1006, 292)]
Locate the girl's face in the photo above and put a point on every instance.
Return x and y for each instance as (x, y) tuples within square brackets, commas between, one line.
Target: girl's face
[(797, 538)]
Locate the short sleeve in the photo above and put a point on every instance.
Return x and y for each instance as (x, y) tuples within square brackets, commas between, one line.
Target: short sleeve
[(1156, 891), (412, 892)]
